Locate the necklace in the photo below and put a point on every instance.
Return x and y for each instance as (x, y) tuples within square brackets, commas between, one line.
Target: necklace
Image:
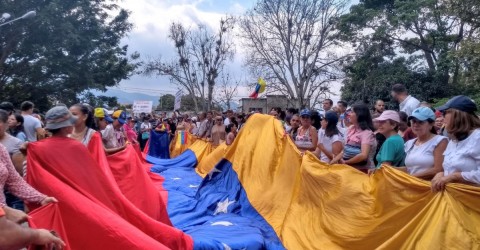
[(419, 143), (79, 135)]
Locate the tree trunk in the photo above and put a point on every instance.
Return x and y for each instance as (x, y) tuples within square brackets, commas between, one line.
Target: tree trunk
[(195, 103), (211, 84)]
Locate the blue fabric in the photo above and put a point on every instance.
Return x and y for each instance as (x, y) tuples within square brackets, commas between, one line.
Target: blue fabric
[(193, 201), (159, 145)]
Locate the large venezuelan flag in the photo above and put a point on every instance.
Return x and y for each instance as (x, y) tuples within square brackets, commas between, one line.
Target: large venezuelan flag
[(262, 194), (258, 193), (99, 207)]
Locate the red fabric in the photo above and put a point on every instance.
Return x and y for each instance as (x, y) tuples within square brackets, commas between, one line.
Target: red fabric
[(130, 172), (147, 146), (408, 135), (132, 178), (52, 212), (94, 213)]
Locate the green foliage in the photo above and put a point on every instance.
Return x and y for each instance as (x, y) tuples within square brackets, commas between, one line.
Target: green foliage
[(100, 101), (377, 82), (166, 102), (430, 46), (70, 46)]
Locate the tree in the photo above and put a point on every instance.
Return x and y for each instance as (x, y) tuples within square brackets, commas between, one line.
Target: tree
[(227, 90), (291, 44), (426, 32), (99, 101), (200, 58), (166, 102), (70, 46)]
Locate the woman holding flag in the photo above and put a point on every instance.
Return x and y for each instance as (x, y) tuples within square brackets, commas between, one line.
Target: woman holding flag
[(181, 140)]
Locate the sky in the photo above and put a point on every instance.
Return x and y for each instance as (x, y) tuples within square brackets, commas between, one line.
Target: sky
[(149, 37)]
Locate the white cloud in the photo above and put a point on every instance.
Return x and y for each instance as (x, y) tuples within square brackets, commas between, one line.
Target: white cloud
[(149, 36)]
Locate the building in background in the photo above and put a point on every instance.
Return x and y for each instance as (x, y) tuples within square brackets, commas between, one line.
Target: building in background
[(264, 105)]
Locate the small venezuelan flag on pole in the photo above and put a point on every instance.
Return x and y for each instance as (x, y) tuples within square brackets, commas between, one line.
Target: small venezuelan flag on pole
[(259, 88)]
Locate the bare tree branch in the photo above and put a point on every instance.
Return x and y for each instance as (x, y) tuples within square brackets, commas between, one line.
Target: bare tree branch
[(199, 60), (293, 43)]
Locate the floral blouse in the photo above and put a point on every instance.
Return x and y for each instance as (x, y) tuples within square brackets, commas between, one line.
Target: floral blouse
[(10, 178)]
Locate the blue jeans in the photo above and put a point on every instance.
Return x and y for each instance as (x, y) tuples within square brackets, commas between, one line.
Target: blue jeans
[(13, 201)]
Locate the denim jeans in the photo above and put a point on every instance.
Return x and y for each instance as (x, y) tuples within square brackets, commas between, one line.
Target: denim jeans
[(13, 201)]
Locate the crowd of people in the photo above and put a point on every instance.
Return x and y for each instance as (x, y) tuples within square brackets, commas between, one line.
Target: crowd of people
[(433, 144)]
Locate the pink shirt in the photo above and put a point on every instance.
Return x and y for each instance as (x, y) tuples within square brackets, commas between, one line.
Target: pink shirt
[(10, 178), (131, 134), (356, 137)]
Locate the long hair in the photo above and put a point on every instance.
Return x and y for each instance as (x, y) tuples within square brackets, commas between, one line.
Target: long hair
[(461, 124), (364, 118), (19, 128), (89, 122), (331, 129)]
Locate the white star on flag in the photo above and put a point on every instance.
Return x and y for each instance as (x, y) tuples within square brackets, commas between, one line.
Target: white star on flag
[(214, 170), (222, 223), (226, 247), (176, 178), (193, 186), (222, 206)]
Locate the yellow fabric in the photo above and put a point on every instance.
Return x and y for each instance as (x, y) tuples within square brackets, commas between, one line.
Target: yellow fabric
[(209, 161), (312, 205), (176, 147), (201, 148), (262, 84)]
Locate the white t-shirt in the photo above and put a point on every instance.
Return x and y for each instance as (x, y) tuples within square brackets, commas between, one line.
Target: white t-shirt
[(109, 138), (12, 144), (464, 157), (420, 158), (30, 125), (409, 105), (145, 126), (328, 143), (226, 122)]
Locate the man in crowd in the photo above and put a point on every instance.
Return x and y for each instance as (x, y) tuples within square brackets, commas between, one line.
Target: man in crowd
[(229, 117), (113, 136), (31, 125), (206, 125), (407, 102), (14, 236), (7, 106), (327, 105), (378, 108)]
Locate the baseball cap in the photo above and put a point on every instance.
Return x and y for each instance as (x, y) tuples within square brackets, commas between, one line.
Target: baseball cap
[(120, 115), (59, 117), (423, 114), (461, 103), (388, 115), (305, 112), (102, 113), (331, 117)]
